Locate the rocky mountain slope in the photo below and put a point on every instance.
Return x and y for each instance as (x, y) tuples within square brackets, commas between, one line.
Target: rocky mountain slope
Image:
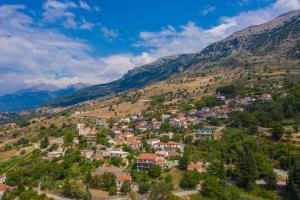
[(274, 41)]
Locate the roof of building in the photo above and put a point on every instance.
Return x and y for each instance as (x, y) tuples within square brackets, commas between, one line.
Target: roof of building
[(3, 187), (173, 142), (123, 177), (146, 156)]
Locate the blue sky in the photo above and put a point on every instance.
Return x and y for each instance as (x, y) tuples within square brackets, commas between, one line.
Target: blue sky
[(64, 42)]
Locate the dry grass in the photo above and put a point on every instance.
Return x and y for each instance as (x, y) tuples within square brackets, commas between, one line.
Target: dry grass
[(12, 153)]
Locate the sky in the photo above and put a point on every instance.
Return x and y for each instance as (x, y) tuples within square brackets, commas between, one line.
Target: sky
[(64, 42)]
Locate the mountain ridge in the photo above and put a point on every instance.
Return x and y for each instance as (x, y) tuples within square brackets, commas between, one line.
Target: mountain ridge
[(276, 39)]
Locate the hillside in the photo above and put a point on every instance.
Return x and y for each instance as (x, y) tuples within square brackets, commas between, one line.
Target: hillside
[(276, 41)]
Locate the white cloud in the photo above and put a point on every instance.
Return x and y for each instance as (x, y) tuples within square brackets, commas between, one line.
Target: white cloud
[(207, 9), (30, 55), (109, 33), (63, 11), (84, 5)]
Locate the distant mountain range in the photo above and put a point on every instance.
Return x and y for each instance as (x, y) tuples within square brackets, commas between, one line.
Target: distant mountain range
[(34, 97), (278, 39)]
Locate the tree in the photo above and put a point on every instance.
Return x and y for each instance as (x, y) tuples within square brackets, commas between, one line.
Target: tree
[(44, 143), (190, 179), (160, 191), (69, 136), (246, 170), (113, 190), (183, 163), (277, 131), (270, 179), (126, 187), (143, 188), (296, 127), (116, 161), (253, 129), (154, 171), (294, 176), (107, 180)]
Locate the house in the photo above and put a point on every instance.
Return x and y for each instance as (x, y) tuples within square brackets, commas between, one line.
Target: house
[(91, 137), (99, 155), (135, 145), (88, 133), (133, 139), (102, 122), (75, 140), (3, 188), (173, 145), (169, 134), (142, 126), (152, 141), (198, 166), (56, 140), (117, 141), (265, 97), (121, 178), (56, 153), (205, 110), (220, 97), (172, 111), (145, 160), (87, 153), (204, 133), (162, 154), (173, 154), (159, 145), (2, 178), (120, 154), (165, 117)]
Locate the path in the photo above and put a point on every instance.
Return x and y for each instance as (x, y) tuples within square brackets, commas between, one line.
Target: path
[(186, 193)]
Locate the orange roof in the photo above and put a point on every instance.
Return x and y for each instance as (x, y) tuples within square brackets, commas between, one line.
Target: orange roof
[(194, 165), (172, 142), (173, 154), (3, 187), (123, 177), (135, 143), (146, 156)]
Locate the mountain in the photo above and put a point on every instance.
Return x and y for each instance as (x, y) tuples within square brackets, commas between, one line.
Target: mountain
[(34, 96), (278, 39)]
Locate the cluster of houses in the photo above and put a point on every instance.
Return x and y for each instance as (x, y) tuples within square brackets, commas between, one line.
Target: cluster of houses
[(164, 154)]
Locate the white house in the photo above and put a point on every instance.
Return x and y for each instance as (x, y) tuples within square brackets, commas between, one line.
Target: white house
[(153, 141), (2, 178), (87, 153)]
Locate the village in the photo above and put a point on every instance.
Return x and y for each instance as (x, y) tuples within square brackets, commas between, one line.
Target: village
[(142, 143)]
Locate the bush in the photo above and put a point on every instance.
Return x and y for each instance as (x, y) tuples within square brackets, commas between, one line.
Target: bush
[(190, 179)]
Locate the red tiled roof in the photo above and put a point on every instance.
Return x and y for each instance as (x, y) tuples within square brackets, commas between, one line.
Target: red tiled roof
[(172, 142), (135, 143), (146, 156), (123, 177), (3, 187), (173, 154)]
